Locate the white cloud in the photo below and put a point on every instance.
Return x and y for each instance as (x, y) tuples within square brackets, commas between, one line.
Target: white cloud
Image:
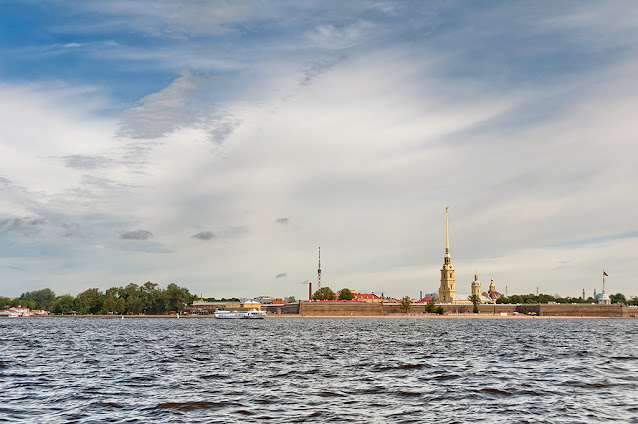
[(364, 156), (332, 37), (183, 104), (167, 18)]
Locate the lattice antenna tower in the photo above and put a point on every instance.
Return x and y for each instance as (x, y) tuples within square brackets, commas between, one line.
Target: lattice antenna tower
[(319, 271)]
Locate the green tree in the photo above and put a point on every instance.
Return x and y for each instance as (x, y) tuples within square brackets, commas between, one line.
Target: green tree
[(476, 300), (516, 299), (134, 305), (110, 305), (28, 303), (406, 303), (43, 298), (177, 298), (63, 304), (430, 307), (345, 294), (120, 305), (618, 298), (153, 300), (440, 310), (290, 299), (323, 293), (132, 297), (89, 301)]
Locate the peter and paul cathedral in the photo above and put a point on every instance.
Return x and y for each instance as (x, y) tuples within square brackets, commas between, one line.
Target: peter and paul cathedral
[(447, 290)]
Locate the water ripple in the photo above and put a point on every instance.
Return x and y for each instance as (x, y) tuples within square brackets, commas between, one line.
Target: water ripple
[(317, 370)]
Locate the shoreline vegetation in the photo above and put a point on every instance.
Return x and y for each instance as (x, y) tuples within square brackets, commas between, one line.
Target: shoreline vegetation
[(386, 316), (150, 300)]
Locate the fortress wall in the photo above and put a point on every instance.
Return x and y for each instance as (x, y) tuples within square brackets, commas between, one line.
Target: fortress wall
[(452, 309), (339, 308), (363, 309), (288, 308), (585, 310), (543, 309)]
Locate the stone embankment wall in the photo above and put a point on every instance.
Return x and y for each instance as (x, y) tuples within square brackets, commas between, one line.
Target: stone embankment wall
[(451, 309), (543, 309), (584, 310), (363, 309), (340, 308), (288, 308)]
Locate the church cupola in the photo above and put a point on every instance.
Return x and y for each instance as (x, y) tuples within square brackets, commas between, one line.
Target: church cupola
[(476, 286)]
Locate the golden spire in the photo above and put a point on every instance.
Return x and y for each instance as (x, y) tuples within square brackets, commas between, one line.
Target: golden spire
[(447, 237)]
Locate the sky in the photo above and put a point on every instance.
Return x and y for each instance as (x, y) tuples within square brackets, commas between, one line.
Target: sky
[(218, 144)]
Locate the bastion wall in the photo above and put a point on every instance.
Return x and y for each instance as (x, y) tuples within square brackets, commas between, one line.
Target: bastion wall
[(340, 308), (363, 309)]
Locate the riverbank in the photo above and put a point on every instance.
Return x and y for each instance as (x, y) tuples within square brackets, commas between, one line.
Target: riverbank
[(386, 316), (435, 316)]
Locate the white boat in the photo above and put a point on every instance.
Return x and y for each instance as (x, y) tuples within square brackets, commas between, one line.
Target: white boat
[(255, 314), (228, 314), (252, 314)]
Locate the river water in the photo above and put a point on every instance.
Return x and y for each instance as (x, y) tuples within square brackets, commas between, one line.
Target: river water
[(90, 370)]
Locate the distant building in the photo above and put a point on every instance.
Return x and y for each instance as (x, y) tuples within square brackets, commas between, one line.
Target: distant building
[(492, 294), (447, 289), (464, 298), (18, 311), (388, 299), (203, 307), (366, 297), (476, 286), (265, 299), (604, 298)]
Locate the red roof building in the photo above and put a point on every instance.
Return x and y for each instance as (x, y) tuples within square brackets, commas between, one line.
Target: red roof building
[(366, 297)]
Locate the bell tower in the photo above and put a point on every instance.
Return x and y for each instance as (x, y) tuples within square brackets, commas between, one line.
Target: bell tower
[(476, 286), (447, 290)]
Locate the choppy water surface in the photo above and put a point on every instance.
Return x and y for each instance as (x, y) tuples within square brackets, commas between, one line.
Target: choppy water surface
[(56, 370)]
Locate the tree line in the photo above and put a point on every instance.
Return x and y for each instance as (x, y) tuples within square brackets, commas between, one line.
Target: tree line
[(147, 298), (546, 298), (325, 293)]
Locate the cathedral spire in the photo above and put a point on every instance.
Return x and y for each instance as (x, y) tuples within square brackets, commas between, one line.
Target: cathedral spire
[(447, 290), (447, 236)]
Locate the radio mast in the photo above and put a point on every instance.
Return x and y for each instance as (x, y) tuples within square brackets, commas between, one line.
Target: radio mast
[(319, 271)]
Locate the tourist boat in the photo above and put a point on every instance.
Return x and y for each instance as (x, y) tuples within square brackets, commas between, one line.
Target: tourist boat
[(228, 314), (255, 314), (252, 314)]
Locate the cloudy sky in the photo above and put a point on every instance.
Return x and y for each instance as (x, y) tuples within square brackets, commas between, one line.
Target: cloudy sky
[(217, 144)]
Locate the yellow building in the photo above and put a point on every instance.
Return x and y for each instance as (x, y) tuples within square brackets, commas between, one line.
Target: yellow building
[(493, 295), (447, 290), (476, 286)]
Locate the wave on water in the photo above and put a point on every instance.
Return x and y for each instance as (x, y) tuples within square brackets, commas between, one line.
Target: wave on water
[(328, 370)]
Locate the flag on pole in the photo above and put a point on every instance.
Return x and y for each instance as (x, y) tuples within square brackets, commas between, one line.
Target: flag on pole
[(605, 274)]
